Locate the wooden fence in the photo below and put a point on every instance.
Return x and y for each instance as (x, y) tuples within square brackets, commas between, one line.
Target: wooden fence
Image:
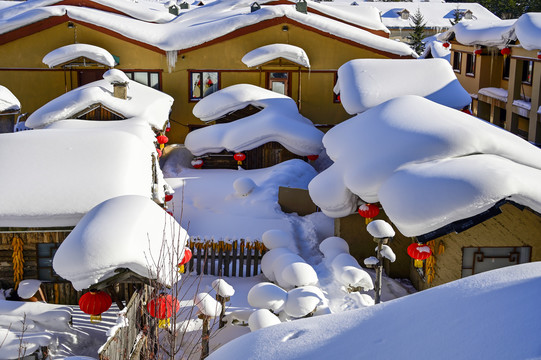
[(219, 258)]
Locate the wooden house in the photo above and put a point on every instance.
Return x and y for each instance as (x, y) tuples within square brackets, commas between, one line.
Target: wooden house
[(501, 68), (190, 55)]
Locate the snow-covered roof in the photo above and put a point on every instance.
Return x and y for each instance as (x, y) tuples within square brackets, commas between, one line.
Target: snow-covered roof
[(8, 101), (71, 52), (436, 50), (528, 31), (365, 83), (200, 25), (279, 121), (62, 173), (143, 102), (267, 53), (427, 171), (435, 14), (123, 232), (454, 318)]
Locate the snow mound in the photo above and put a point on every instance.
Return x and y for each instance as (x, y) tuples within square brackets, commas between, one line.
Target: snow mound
[(267, 296), (207, 305), (303, 300), (262, 318), (276, 238), (73, 51), (115, 76), (8, 101), (130, 232), (268, 260), (27, 288), (380, 229), (332, 246), (348, 272), (267, 53), (244, 186), (222, 288)]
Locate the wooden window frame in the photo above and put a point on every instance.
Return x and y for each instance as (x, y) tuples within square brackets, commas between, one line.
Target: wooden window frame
[(506, 67), (473, 64), (288, 82), (191, 98), (53, 247), (336, 97), (457, 69), (131, 75), (526, 65)]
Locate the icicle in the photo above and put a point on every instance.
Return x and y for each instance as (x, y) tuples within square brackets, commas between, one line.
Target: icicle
[(171, 59)]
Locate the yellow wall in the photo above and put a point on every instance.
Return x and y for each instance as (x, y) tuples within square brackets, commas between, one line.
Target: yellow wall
[(326, 55)]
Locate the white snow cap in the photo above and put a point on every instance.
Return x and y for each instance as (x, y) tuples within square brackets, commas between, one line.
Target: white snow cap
[(222, 288), (303, 300), (124, 232), (332, 246), (115, 76), (426, 171), (380, 229), (276, 238), (207, 305), (262, 318), (365, 83), (291, 271), (8, 101), (489, 33), (268, 260), (388, 253), (279, 120), (266, 295), (27, 288), (528, 31), (70, 52), (348, 272), (244, 186), (267, 53)]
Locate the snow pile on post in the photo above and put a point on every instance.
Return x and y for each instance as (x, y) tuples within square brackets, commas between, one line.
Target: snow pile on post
[(129, 232), (365, 83), (8, 101), (267, 53), (70, 52), (222, 288), (207, 305), (426, 171), (279, 120)]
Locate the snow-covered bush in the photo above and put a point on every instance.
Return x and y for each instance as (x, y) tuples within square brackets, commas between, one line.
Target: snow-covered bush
[(207, 305), (267, 296), (302, 301), (332, 246), (222, 288), (267, 261), (348, 272), (299, 274), (244, 186), (276, 238), (262, 318)]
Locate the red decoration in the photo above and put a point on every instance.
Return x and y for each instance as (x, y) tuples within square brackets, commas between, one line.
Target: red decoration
[(539, 54), (419, 251), (187, 256), (368, 211), (239, 157), (162, 139), (478, 51), (159, 151), (312, 157), (446, 45), (163, 307), (467, 111), (169, 212), (505, 51), (198, 164), (168, 197), (167, 129), (95, 303)]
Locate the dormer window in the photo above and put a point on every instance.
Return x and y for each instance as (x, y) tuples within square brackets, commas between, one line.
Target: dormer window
[(404, 14), (468, 15)]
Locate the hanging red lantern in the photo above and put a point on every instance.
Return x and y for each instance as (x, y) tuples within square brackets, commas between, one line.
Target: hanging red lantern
[(478, 51), (187, 256), (368, 211), (167, 129), (162, 308), (505, 51), (95, 303), (168, 197), (312, 157), (419, 252), (159, 151), (162, 139), (239, 157), (446, 45), (198, 164)]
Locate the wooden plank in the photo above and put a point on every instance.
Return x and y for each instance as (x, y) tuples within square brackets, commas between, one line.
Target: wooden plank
[(242, 248), (221, 250), (234, 257), (249, 261), (226, 262), (213, 259)]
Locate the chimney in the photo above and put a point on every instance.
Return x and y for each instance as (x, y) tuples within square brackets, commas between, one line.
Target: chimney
[(120, 90)]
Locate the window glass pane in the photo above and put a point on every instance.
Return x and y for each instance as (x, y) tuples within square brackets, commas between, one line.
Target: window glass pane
[(210, 83), (141, 77), (457, 57), (279, 87), (506, 67), (527, 71), (155, 81), (477, 260), (278, 75), (129, 75)]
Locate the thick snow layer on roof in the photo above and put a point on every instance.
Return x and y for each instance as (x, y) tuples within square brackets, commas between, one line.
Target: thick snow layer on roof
[(144, 102), (201, 24), (451, 166), (76, 169), (457, 310), (436, 50), (279, 121), (365, 83), (73, 51), (267, 53), (8, 101), (123, 232), (488, 33), (528, 31)]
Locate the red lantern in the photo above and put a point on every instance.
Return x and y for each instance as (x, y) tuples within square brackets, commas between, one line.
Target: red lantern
[(312, 157), (163, 308), (198, 164), (419, 252), (446, 45), (167, 129), (368, 211), (162, 139), (478, 51), (170, 212), (159, 151), (187, 256), (539, 54), (239, 157), (168, 197), (505, 51), (95, 303)]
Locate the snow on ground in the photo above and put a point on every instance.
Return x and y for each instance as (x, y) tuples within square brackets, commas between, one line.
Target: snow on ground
[(451, 167), (8, 101), (365, 83), (493, 315)]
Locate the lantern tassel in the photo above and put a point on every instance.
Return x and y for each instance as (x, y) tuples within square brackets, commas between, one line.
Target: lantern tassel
[(181, 269), (367, 220), (418, 263), (95, 319), (164, 323), (239, 162)]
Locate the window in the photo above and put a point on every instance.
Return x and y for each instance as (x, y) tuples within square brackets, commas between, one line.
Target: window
[(151, 79), (470, 64), (506, 67), (476, 260), (203, 83), (457, 61), (527, 70), (279, 82), (336, 97), (45, 254)]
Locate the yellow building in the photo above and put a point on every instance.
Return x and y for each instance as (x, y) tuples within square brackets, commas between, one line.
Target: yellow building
[(500, 66), (190, 55)]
